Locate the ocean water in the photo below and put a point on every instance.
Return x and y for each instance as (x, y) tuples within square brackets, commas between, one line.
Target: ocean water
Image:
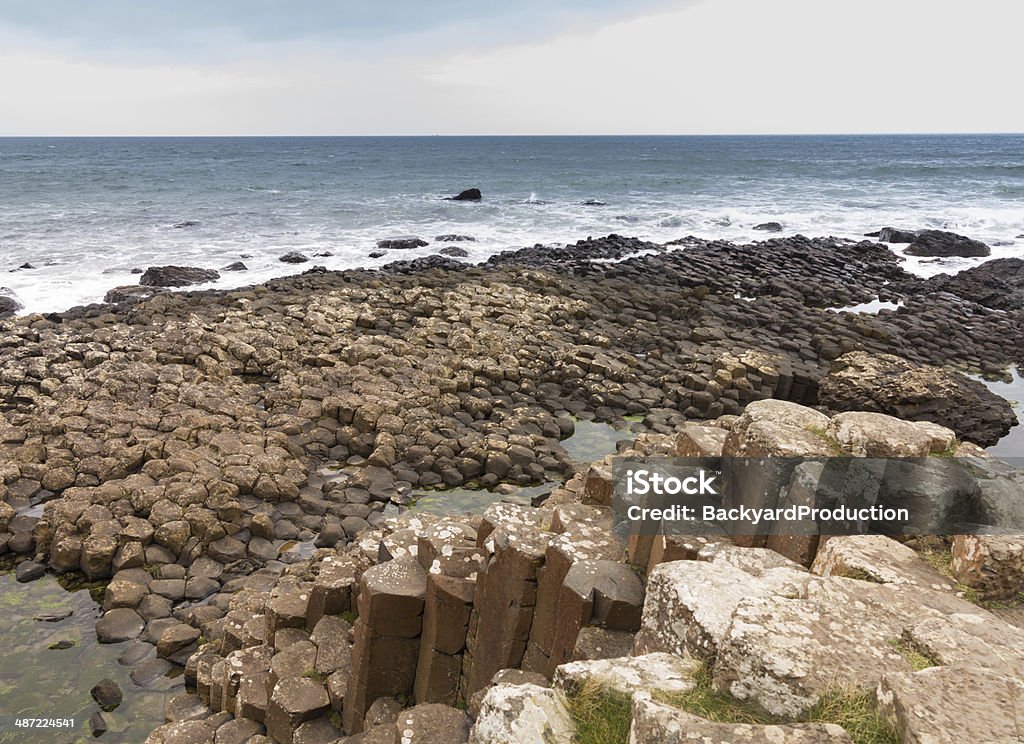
[(85, 212)]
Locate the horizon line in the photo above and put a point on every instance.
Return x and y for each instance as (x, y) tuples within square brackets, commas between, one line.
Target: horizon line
[(491, 135)]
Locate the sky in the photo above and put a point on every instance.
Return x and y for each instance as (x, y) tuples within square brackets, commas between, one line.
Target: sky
[(335, 67)]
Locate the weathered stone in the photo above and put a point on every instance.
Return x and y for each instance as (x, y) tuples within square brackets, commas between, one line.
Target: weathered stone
[(992, 565), (294, 701), (953, 703), (428, 723), (107, 694), (391, 597), (657, 672), (525, 714), (656, 722), (122, 624), (876, 558)]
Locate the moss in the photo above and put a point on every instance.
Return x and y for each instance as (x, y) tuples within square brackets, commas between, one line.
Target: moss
[(74, 581), (706, 701), (634, 418), (316, 676), (349, 617), (601, 716), (860, 575), (856, 712), (917, 659), (834, 449)]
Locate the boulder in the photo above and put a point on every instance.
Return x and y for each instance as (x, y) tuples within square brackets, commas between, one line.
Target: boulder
[(884, 383), (131, 293), (769, 227), (401, 244), (293, 258), (107, 694), (467, 195), (453, 238), (658, 672), (998, 284), (877, 558), (8, 303), (992, 565), (176, 276), (454, 252), (122, 624), (525, 714), (236, 266), (942, 244), (953, 703), (894, 235)]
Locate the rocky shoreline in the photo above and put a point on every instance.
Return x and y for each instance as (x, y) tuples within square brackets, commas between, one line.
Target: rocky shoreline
[(232, 464)]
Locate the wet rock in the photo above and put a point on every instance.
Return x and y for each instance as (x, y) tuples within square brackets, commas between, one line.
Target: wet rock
[(769, 227), (29, 571), (945, 244), (97, 724), (122, 624), (8, 303), (176, 638), (236, 266), (894, 235), (107, 694), (454, 252), (131, 293), (293, 258), (176, 276), (454, 238), (401, 244), (467, 195), (185, 224)]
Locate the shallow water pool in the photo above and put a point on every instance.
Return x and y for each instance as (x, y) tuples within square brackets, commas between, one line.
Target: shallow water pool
[(37, 681)]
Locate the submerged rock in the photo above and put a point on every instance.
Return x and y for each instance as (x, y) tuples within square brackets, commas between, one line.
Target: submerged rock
[(454, 252), (769, 227), (107, 694), (293, 258), (894, 235), (467, 195)]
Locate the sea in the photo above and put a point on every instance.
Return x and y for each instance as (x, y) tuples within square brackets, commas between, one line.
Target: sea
[(79, 216)]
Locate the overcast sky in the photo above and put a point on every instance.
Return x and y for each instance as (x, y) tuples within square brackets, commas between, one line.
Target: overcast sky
[(212, 67)]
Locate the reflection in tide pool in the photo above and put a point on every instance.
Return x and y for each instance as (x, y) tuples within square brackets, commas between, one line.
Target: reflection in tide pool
[(1012, 445), (453, 501), (593, 440), (39, 681)]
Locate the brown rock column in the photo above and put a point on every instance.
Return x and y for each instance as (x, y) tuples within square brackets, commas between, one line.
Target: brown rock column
[(391, 597)]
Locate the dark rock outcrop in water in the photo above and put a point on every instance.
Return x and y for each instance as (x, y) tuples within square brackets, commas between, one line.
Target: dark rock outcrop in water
[(8, 303), (769, 227), (452, 238), (893, 235), (401, 244), (454, 252), (236, 266), (998, 284), (467, 195), (176, 276), (293, 258), (885, 383), (944, 244), (186, 224)]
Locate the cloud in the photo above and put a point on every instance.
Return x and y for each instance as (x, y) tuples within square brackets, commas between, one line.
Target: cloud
[(717, 66)]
